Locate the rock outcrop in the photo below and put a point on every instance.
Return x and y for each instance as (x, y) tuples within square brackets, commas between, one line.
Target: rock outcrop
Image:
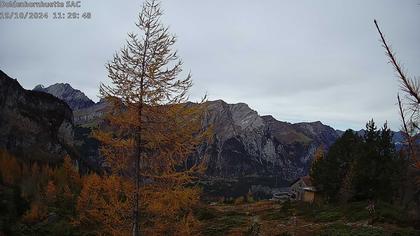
[(73, 97), (248, 151), (248, 145), (90, 115), (245, 144), (34, 125), (85, 111)]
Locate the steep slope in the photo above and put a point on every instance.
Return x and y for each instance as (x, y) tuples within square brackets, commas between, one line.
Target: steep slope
[(33, 124), (246, 144), (85, 111), (73, 97), (90, 116)]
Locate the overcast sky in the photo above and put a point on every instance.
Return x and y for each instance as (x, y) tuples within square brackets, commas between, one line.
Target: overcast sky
[(296, 60)]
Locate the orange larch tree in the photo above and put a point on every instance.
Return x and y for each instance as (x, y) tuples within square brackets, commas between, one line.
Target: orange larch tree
[(151, 130), (103, 206), (10, 170)]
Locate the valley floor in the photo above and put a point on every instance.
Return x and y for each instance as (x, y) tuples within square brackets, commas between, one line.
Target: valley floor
[(273, 218)]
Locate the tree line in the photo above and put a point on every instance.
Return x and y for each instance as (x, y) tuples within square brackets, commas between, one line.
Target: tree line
[(366, 167)]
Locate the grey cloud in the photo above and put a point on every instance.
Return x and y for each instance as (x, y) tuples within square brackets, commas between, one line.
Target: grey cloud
[(297, 60)]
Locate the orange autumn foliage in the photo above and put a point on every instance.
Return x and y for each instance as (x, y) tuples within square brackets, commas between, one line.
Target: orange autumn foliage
[(67, 174), (151, 129), (46, 189), (169, 211), (165, 201), (51, 193), (10, 170), (103, 206), (36, 213)]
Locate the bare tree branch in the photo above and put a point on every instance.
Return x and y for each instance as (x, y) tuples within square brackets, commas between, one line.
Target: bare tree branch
[(412, 89), (408, 85)]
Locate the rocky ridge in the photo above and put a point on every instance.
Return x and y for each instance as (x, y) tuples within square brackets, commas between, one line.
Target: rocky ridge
[(245, 144), (34, 125), (73, 97), (248, 151)]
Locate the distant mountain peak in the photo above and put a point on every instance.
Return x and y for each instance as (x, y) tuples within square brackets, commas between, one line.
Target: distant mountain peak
[(75, 98), (39, 87)]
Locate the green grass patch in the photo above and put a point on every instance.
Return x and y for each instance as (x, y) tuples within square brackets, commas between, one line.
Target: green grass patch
[(222, 222), (405, 232), (328, 216), (390, 214), (319, 213), (275, 215), (351, 212), (285, 212), (356, 211), (344, 230), (384, 213), (205, 213)]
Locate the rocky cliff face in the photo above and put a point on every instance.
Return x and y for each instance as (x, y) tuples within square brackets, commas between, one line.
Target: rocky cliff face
[(248, 150), (86, 114), (73, 97), (34, 125), (246, 144), (85, 111), (90, 115)]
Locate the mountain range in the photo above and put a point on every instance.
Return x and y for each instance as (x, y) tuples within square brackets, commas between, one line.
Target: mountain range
[(244, 143), (58, 118)]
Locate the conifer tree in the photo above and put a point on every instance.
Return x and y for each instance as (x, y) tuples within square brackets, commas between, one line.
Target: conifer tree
[(103, 206), (378, 171), (152, 129), (346, 190), (316, 172), (330, 172), (360, 168)]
